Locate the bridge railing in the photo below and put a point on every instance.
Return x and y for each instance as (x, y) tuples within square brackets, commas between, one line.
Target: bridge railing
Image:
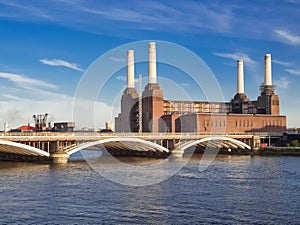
[(129, 134)]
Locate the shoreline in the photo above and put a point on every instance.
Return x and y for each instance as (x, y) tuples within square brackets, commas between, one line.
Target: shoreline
[(278, 151)]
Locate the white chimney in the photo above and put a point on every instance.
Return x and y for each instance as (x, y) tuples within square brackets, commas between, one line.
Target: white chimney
[(240, 77), (6, 128), (130, 69), (152, 63), (268, 70)]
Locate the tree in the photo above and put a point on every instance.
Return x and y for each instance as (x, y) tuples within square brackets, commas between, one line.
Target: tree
[(294, 143)]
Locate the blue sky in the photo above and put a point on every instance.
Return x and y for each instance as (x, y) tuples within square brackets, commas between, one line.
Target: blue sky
[(46, 46)]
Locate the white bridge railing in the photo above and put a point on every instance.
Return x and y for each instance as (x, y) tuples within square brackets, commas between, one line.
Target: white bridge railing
[(123, 134)]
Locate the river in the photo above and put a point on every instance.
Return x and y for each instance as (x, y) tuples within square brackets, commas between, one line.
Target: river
[(232, 190)]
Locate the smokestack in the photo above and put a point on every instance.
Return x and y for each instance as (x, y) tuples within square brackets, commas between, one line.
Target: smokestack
[(6, 129), (130, 69), (240, 77), (268, 70), (152, 63)]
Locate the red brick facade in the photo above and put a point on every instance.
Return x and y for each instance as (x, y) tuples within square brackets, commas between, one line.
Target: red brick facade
[(231, 123)]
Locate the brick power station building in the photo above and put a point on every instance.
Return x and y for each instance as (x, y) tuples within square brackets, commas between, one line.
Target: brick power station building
[(240, 115)]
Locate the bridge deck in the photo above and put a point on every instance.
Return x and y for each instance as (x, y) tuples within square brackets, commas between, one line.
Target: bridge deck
[(89, 136), (47, 143)]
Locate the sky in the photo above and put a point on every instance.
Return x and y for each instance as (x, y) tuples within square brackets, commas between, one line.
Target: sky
[(47, 47)]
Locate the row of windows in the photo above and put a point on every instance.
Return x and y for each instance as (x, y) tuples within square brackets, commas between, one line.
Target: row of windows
[(271, 123), (214, 123), (247, 123), (244, 123), (240, 123)]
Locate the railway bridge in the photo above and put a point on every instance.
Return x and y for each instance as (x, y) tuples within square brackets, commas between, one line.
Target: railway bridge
[(58, 147)]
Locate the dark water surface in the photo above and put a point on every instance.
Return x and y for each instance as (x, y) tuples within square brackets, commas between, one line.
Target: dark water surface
[(234, 189)]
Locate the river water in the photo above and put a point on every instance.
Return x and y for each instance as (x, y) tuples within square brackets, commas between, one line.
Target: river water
[(232, 190)]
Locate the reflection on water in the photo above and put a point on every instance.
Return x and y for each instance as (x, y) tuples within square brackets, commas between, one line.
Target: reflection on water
[(234, 189)]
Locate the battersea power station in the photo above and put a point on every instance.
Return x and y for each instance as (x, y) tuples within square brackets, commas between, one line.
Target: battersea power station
[(150, 112)]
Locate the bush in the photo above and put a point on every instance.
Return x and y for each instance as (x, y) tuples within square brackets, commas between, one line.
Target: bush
[(294, 143)]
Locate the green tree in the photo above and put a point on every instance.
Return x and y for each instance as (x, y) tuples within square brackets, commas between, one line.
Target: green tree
[(294, 143)]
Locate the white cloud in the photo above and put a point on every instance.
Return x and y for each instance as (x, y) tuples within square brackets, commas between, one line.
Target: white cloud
[(293, 71), (19, 111), (60, 62), (142, 15), (24, 81), (155, 15), (185, 84), (281, 62), (288, 37), (117, 59), (235, 56), (282, 83), (122, 78), (10, 96)]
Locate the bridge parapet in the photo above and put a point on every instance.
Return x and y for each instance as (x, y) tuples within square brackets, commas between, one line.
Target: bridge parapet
[(130, 134), (85, 135)]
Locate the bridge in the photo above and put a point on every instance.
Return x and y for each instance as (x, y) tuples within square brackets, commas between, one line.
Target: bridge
[(58, 147)]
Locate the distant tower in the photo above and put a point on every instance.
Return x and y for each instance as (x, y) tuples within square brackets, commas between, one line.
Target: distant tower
[(268, 101), (152, 63), (268, 70), (108, 125), (240, 77), (127, 119), (40, 122), (153, 108), (240, 98), (140, 116), (6, 128), (130, 69)]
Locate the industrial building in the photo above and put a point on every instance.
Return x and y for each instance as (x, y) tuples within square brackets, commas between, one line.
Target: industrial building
[(152, 113)]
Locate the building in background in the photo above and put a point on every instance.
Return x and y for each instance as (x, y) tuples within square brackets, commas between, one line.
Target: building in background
[(240, 115), (24, 128), (63, 127)]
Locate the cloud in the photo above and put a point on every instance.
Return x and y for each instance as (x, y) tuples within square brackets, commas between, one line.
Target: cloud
[(122, 78), (119, 18), (10, 96), (293, 71), (281, 62), (24, 81), (145, 15), (288, 37), (235, 56), (282, 83), (185, 84), (116, 59), (21, 8), (59, 62), (18, 110)]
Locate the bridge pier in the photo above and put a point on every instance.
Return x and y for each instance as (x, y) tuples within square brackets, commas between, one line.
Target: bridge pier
[(59, 157), (255, 143), (177, 153)]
